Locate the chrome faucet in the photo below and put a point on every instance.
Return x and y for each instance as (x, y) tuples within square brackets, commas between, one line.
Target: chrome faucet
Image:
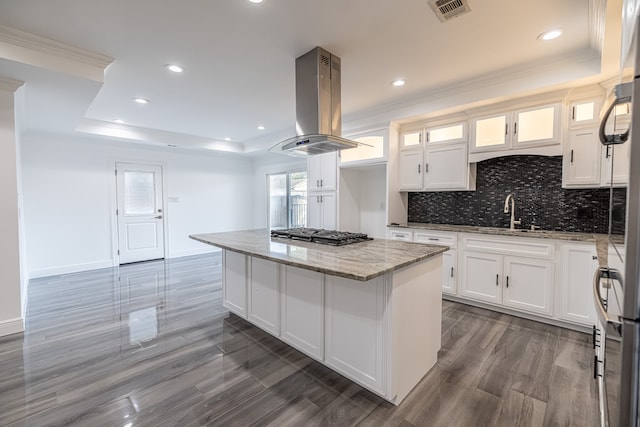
[(513, 221)]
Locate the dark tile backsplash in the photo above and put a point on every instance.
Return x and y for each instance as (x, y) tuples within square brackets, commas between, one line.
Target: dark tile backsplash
[(536, 182)]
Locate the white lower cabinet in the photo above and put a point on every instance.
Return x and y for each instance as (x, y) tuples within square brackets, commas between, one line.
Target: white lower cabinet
[(234, 294), (449, 264), (264, 299), (521, 283), (528, 285), (578, 269), (302, 314), (481, 276), (354, 329)]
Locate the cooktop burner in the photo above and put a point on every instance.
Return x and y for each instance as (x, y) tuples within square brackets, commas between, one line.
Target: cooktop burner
[(325, 237)]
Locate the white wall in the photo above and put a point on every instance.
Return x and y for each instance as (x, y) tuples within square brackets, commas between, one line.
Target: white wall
[(68, 198), (273, 163), (11, 320)]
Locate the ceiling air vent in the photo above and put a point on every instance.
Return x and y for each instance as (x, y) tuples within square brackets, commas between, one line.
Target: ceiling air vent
[(449, 9)]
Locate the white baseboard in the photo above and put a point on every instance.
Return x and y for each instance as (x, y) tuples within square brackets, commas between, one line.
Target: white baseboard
[(11, 326), (190, 252), (66, 269)]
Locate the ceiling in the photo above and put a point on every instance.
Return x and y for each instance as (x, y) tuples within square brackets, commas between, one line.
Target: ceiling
[(239, 61)]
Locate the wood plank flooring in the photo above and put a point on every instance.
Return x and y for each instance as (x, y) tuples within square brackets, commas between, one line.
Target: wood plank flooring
[(151, 345)]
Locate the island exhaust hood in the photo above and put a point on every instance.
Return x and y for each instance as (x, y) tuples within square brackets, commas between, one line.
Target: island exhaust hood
[(318, 108)]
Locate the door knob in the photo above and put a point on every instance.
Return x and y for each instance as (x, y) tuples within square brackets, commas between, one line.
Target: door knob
[(159, 217)]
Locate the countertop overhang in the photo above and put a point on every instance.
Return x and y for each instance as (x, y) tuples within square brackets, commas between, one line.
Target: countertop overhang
[(359, 261)]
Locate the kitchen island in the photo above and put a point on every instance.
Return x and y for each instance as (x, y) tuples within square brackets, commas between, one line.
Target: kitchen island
[(370, 311)]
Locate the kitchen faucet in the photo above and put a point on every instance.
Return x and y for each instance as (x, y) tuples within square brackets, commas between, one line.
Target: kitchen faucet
[(513, 221)]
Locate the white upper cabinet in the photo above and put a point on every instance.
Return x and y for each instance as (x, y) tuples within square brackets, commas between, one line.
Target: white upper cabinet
[(446, 166), (456, 132), (584, 112), (372, 148), (410, 170), (322, 172), (517, 129), (411, 139), (615, 165), (581, 160)]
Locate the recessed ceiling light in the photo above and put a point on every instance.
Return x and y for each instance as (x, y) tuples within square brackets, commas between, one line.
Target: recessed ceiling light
[(398, 83), (256, 1), (174, 68), (550, 35), (141, 100), (227, 139), (118, 121), (260, 127)]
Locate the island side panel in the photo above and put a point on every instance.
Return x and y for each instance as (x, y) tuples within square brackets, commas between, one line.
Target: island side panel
[(234, 282), (416, 324)]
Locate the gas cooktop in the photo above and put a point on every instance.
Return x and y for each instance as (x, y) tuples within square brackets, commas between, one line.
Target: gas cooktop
[(325, 237)]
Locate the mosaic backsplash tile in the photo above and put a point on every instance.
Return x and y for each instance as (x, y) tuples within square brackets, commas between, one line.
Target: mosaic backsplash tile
[(536, 182)]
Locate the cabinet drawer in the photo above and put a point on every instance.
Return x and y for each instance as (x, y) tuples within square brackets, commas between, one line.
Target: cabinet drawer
[(406, 235), (510, 246), (435, 238)]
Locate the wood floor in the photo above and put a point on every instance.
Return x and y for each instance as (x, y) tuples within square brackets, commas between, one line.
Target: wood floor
[(151, 345)]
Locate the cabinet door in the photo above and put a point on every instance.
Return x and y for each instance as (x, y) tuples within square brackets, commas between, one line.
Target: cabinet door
[(302, 314), (314, 211), (528, 285), (410, 170), (584, 112), (411, 139), (579, 264), (329, 210), (234, 282), (354, 329), (322, 172), (450, 133), (490, 133), (536, 126), (264, 301), (449, 272), (582, 159), (616, 159), (447, 167), (481, 276)]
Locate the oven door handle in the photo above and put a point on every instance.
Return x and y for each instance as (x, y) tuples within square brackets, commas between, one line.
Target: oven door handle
[(611, 322)]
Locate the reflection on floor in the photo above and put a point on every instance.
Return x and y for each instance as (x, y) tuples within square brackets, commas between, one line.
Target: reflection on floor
[(150, 344)]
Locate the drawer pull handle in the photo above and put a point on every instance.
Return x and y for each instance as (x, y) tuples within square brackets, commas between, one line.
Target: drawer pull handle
[(451, 271), (507, 281), (497, 279), (435, 239)]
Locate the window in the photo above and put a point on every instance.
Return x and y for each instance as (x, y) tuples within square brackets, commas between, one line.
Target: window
[(287, 200)]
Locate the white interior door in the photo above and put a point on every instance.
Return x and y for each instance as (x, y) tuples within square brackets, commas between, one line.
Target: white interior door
[(139, 212)]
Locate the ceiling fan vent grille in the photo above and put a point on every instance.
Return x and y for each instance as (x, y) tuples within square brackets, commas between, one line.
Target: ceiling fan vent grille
[(448, 9)]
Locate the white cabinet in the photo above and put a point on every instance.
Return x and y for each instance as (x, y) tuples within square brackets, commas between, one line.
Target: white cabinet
[(481, 276), (234, 293), (411, 139), (403, 234), (443, 163), (447, 167), (491, 273), (449, 258), (410, 170), (322, 210), (302, 314), (581, 162), (584, 112), (521, 128), (579, 264), (322, 172), (354, 329), (372, 148), (264, 297), (528, 285), (615, 165)]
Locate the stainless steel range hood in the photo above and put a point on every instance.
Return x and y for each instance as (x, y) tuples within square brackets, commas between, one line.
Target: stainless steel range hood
[(318, 108)]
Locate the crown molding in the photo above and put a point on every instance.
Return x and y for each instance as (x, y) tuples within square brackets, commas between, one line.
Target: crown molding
[(20, 46), (9, 85)]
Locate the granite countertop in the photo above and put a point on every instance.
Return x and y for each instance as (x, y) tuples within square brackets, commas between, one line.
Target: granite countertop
[(360, 261), (540, 234)]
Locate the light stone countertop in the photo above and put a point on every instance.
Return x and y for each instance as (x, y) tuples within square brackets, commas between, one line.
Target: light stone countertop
[(540, 234), (360, 261)]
